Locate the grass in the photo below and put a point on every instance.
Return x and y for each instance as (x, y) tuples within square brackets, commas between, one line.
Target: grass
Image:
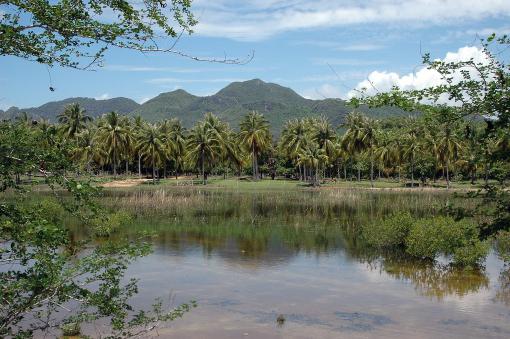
[(284, 184)]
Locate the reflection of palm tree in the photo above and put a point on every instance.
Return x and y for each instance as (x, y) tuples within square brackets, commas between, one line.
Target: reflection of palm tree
[(255, 136), (73, 120)]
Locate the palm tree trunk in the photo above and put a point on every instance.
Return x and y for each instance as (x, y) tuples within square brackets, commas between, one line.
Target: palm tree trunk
[(254, 162), (153, 169), (203, 168), (317, 182), (371, 172), (447, 175), (114, 163), (140, 165), (412, 172), (127, 166)]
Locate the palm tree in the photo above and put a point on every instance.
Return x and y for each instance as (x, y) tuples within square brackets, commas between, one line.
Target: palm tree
[(293, 140), (204, 146), (411, 149), (113, 136), (138, 125), (73, 120), (176, 143), (255, 137), (361, 137), (314, 157), (449, 147), (151, 145), (87, 150)]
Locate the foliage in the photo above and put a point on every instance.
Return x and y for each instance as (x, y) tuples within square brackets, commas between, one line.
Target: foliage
[(43, 269), (67, 32), (443, 235), (391, 231), (107, 224)]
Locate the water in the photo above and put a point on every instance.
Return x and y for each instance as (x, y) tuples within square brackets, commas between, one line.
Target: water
[(248, 257)]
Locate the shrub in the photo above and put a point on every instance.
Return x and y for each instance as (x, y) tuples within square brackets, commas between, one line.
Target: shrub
[(70, 329), (389, 232), (106, 226), (443, 235), (53, 210)]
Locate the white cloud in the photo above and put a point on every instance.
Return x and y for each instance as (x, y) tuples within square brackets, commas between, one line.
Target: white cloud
[(323, 92), (256, 20), (103, 96), (346, 62), (134, 68), (383, 81), (144, 100), (472, 34), (341, 46), (162, 81)]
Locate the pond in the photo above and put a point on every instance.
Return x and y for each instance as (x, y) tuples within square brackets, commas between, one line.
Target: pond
[(250, 257)]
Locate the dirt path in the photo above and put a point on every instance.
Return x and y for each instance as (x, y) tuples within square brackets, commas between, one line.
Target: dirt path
[(124, 183)]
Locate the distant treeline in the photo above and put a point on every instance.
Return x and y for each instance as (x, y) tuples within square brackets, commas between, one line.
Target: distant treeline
[(434, 145)]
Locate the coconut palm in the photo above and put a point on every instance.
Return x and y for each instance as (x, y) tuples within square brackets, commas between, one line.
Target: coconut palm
[(73, 120), (176, 143), (138, 124), (293, 140), (255, 136), (204, 146), (361, 136), (313, 157), (113, 135), (449, 148), (151, 145), (87, 150)]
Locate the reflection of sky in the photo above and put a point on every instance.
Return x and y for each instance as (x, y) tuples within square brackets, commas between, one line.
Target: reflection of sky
[(310, 290)]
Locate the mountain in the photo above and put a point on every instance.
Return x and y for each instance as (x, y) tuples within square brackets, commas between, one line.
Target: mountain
[(279, 104), (93, 107)]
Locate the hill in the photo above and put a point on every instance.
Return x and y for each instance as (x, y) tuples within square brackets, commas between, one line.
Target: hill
[(279, 104), (93, 107)]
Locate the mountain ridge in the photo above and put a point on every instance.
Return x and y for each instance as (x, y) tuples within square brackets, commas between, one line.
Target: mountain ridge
[(278, 103)]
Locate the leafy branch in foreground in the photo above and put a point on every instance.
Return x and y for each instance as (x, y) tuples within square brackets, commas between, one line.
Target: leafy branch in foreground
[(46, 279), (77, 33)]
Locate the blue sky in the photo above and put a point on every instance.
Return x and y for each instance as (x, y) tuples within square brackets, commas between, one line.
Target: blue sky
[(321, 48)]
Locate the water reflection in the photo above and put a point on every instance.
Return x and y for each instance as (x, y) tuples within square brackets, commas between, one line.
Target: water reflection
[(249, 257), (260, 230)]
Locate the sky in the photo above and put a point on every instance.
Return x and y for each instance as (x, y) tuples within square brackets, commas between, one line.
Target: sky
[(320, 48)]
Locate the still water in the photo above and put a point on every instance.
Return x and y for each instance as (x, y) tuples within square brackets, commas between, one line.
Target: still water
[(249, 257)]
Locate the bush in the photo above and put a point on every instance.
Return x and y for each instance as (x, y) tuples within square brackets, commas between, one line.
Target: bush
[(390, 232), (53, 210), (106, 226), (443, 235), (70, 329)]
